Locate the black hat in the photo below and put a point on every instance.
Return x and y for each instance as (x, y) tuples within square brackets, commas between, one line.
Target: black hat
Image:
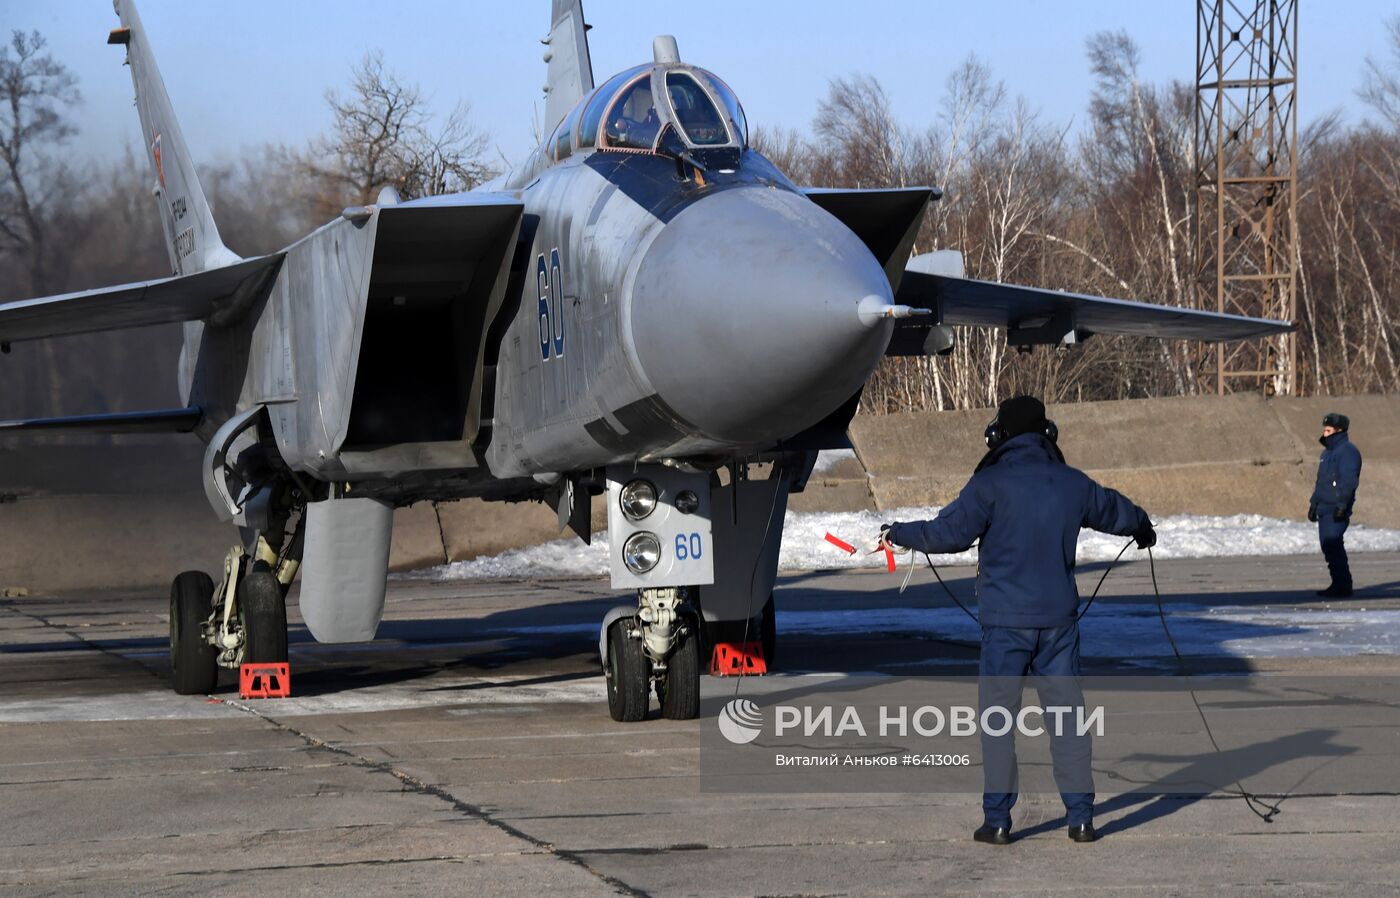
[(1337, 420), (1021, 414)]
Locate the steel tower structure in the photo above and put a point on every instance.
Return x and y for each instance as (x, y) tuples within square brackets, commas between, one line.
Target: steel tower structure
[(1246, 226)]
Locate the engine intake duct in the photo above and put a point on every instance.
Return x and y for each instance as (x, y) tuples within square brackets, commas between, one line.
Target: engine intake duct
[(437, 282)]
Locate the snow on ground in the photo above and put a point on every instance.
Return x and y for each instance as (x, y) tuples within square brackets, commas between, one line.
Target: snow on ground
[(804, 546), (827, 459)]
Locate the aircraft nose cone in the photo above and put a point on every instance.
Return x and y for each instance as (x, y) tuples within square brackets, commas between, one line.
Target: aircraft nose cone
[(755, 314)]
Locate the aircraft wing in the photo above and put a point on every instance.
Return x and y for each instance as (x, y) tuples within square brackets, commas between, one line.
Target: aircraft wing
[(165, 420), (196, 296), (1032, 315)]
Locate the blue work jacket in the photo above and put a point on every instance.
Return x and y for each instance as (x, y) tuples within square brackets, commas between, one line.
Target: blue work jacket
[(1026, 507), (1338, 474)]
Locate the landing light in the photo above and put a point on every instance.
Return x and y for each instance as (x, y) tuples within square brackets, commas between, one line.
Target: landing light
[(687, 502), (641, 552), (638, 499)]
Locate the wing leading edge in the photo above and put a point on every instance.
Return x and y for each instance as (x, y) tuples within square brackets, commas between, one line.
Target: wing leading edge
[(164, 420), (1032, 315), (208, 295)]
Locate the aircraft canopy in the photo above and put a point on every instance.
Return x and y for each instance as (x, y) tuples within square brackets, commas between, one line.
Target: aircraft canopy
[(624, 113)]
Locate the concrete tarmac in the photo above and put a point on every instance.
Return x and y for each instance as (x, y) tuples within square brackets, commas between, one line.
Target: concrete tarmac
[(468, 751)]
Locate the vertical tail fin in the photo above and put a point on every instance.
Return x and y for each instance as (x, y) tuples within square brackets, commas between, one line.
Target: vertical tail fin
[(191, 236), (570, 71)]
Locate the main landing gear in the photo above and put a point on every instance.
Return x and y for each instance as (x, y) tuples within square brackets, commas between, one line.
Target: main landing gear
[(243, 620), (659, 643)]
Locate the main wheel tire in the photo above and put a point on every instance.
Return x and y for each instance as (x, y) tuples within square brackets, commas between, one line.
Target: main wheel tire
[(194, 668), (628, 675), (679, 689), (264, 615), (768, 631)]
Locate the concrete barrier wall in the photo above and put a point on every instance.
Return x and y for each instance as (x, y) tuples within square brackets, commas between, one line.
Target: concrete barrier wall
[(1216, 455), (75, 517)]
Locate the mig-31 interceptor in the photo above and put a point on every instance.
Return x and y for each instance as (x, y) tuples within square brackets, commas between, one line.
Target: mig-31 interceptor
[(646, 308)]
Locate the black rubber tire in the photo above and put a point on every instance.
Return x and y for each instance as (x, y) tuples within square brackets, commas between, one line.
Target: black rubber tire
[(264, 614), (679, 689), (628, 675), (194, 668), (768, 631)]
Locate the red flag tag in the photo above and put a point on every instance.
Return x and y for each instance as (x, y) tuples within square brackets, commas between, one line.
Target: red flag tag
[(841, 544), (889, 559)]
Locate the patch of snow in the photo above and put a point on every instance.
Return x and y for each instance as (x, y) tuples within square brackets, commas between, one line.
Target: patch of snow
[(828, 458), (805, 548)]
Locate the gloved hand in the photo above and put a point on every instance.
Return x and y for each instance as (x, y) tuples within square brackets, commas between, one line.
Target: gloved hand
[(1145, 536), (1341, 514), (1312, 512)]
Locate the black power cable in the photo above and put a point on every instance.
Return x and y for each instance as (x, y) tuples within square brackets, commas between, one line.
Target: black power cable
[(1251, 800)]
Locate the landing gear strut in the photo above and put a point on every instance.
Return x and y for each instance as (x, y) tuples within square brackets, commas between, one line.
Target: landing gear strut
[(243, 620), (660, 644)]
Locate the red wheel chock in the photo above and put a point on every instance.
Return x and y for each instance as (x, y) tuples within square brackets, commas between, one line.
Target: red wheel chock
[(738, 659), (264, 681)]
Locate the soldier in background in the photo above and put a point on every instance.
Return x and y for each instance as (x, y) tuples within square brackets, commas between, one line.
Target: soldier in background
[(1338, 475)]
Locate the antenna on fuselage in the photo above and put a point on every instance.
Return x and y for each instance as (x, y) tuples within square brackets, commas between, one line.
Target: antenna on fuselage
[(664, 50)]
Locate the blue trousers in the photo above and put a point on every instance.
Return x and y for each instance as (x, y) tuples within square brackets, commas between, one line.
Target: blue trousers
[(1330, 533), (1051, 656)]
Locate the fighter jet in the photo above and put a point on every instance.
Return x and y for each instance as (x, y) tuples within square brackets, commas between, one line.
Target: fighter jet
[(646, 307)]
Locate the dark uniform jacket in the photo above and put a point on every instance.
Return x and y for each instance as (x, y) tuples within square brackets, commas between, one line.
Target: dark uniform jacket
[(1338, 474), (1027, 507)]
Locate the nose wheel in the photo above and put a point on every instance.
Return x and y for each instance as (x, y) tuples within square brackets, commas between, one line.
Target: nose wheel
[(678, 686), (628, 673), (660, 645)]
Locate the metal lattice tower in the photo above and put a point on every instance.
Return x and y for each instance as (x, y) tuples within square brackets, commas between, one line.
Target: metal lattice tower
[(1246, 224)]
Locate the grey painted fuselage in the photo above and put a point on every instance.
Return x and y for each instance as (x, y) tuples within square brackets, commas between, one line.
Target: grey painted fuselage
[(614, 306)]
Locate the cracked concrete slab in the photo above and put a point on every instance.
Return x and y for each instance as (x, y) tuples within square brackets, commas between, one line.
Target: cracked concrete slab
[(469, 752)]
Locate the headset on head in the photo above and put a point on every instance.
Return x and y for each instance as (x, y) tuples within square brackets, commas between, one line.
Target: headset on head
[(995, 435)]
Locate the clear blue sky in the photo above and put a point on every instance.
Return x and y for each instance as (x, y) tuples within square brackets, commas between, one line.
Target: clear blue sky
[(249, 72)]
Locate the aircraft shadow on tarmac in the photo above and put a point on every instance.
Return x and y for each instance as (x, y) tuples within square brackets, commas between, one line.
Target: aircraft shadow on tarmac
[(515, 641)]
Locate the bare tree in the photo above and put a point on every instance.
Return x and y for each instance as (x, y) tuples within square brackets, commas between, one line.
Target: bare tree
[(384, 134), (1380, 86), (34, 90)]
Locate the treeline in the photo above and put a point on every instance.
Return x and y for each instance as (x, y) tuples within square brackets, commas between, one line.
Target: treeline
[(1107, 211), (68, 226)]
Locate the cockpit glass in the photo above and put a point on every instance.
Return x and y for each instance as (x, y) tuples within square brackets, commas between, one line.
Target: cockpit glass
[(598, 104), (731, 105), (695, 111), (632, 120)]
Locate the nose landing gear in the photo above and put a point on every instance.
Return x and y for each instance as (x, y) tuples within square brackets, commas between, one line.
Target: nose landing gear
[(657, 643)]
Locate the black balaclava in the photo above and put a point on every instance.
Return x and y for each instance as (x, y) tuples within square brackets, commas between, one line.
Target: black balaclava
[(1337, 420)]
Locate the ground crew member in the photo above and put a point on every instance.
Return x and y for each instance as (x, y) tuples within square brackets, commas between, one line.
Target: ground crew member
[(1026, 506), (1338, 475)]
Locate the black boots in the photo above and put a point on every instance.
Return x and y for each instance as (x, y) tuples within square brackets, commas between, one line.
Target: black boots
[(992, 835), (1335, 592), (1084, 832), (1001, 835)]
